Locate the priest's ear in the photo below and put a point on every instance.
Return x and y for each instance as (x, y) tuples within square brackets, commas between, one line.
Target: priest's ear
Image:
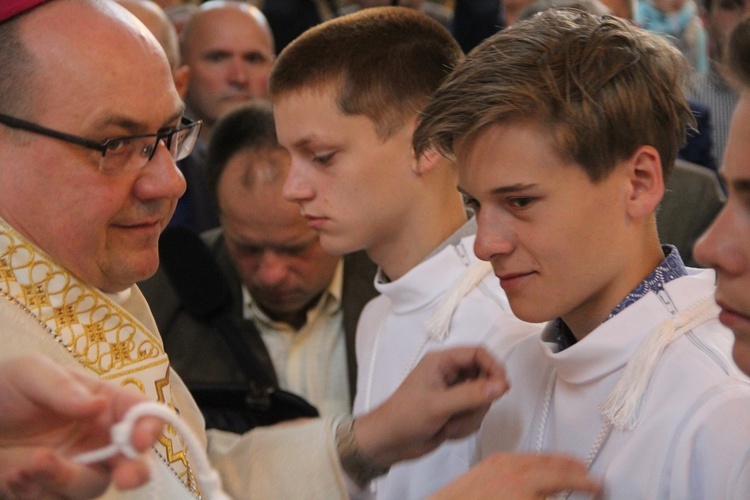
[(181, 76)]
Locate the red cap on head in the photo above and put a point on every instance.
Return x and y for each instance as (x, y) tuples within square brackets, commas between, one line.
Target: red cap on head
[(10, 8)]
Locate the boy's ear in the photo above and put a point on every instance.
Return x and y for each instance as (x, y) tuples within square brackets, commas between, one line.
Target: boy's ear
[(646, 181), (427, 162), (429, 157)]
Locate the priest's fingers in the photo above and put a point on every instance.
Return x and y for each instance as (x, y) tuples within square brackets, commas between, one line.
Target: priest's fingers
[(117, 402), (461, 364), (471, 380), (128, 474), (474, 374), (78, 397), (446, 395), (43, 474), (32, 381)]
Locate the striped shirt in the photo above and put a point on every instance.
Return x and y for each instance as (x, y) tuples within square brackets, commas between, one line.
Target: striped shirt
[(669, 269), (710, 89)]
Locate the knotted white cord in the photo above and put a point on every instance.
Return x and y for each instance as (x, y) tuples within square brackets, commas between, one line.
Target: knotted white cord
[(622, 406), (437, 326), (439, 323), (208, 479)]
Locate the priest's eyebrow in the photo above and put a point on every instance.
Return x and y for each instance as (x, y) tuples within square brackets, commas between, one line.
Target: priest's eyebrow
[(137, 127)]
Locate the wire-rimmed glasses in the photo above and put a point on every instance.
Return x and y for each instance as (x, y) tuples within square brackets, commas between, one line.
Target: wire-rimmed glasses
[(127, 153)]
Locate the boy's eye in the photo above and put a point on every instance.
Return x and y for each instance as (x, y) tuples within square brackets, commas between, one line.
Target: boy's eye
[(471, 202), (323, 159), (521, 202)]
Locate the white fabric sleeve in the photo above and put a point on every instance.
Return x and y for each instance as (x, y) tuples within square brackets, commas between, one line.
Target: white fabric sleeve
[(295, 460)]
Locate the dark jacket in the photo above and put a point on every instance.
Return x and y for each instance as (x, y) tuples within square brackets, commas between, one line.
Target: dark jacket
[(692, 200), (199, 353)]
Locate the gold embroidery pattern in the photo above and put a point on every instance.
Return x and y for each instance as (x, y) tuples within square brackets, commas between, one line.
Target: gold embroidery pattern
[(65, 315), (173, 456), (102, 336), (160, 385), (5, 272), (35, 296)]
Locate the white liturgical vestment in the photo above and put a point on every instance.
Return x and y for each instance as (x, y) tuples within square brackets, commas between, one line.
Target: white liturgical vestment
[(44, 309), (396, 329), (691, 436)]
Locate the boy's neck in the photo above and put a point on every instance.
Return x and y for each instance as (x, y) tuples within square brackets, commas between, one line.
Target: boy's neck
[(589, 316), (418, 236)]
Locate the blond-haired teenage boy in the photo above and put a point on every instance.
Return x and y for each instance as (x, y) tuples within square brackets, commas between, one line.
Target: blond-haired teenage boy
[(347, 96), (565, 128)]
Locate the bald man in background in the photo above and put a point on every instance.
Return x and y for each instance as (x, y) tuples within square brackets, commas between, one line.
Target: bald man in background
[(229, 49)]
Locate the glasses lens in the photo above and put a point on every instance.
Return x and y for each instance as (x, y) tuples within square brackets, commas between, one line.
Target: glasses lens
[(126, 153), (184, 140)]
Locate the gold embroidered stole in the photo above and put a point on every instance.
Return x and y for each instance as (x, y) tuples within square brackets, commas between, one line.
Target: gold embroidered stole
[(101, 335)]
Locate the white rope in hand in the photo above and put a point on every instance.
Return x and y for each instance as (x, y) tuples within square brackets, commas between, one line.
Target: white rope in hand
[(121, 434)]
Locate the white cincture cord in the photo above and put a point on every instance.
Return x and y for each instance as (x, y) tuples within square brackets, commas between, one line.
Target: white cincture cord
[(437, 327), (439, 324), (208, 479), (622, 406)]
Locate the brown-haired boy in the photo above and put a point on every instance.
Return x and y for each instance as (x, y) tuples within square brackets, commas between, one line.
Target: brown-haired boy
[(565, 128), (347, 96)]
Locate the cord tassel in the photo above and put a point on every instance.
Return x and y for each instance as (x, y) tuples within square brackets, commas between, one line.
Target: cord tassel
[(622, 406), (438, 325)]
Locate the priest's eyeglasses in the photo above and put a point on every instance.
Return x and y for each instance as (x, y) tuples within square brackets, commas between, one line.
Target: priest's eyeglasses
[(123, 154)]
